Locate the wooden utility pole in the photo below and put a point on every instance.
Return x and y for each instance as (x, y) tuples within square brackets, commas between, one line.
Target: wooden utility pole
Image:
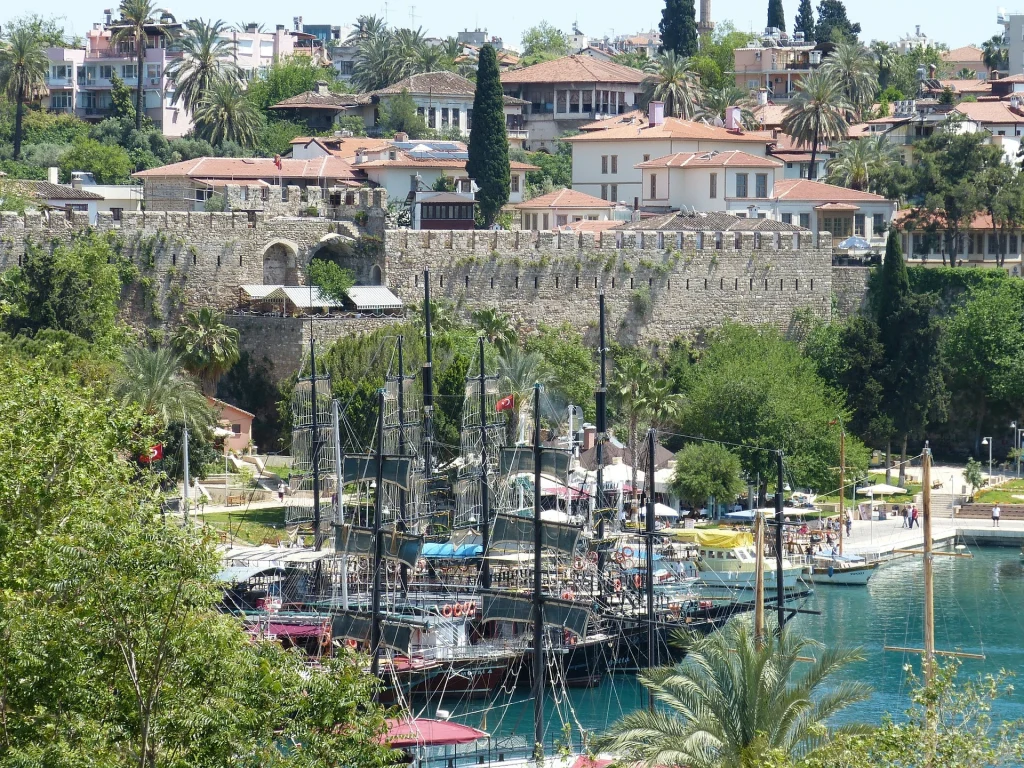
[(759, 635), (929, 587), (842, 485)]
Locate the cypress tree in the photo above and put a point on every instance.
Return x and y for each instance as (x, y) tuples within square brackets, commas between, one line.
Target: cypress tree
[(488, 140), (678, 27), (776, 15), (893, 289), (804, 21)]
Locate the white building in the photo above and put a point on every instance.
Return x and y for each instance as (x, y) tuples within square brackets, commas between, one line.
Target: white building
[(561, 208), (605, 163), (909, 42), (55, 196), (732, 181), (824, 207)]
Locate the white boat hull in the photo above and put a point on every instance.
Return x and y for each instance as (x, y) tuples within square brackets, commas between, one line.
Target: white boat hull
[(853, 575), (745, 579)]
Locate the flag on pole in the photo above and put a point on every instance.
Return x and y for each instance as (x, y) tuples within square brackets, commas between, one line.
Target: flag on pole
[(155, 454), (505, 404)]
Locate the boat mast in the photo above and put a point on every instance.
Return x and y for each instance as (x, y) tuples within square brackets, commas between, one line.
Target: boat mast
[(780, 591), (185, 478), (428, 387), (404, 570), (339, 510), (652, 644), (759, 577), (929, 587), (485, 512), (538, 599), (378, 554), (602, 425), (842, 482), (318, 541)]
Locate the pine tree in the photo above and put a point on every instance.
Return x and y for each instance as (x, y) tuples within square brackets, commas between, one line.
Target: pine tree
[(488, 140), (832, 18), (804, 21), (678, 28), (776, 15), (895, 281)]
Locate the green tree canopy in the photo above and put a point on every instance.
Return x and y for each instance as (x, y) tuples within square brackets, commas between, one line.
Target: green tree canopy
[(543, 42), (776, 15), (332, 280), (398, 114), (109, 164), (704, 470), (208, 347), (678, 27), (488, 163), (804, 21), (23, 68), (833, 23)]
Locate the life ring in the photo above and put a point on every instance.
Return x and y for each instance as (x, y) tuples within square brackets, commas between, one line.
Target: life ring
[(470, 609), (351, 643), (637, 581), (446, 611), (457, 609), (674, 608), (464, 568), (618, 585), (592, 557), (569, 637), (627, 551), (705, 604), (568, 595), (579, 563)]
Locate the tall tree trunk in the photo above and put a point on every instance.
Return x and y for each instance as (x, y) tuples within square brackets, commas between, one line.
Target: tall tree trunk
[(903, 461), (140, 94), (888, 463), (812, 172), (633, 425), (19, 115)]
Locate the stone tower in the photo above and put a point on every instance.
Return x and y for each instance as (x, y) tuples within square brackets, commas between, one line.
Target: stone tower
[(705, 24)]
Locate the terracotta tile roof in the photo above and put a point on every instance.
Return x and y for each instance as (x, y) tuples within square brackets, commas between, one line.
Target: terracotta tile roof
[(318, 100), (574, 69), (837, 207), (44, 190), (566, 198), (674, 128), (967, 86), (633, 117), (858, 130), (1011, 79), (989, 112), (793, 190), (405, 161), (734, 158), (446, 83), (707, 222), (255, 168), (965, 54), (916, 219), (591, 226), (770, 115), (344, 147)]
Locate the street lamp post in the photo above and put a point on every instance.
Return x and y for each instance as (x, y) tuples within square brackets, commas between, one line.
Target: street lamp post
[(1020, 443), (1013, 428), (988, 441)]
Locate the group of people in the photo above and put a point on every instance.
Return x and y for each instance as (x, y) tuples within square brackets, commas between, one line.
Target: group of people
[(911, 516)]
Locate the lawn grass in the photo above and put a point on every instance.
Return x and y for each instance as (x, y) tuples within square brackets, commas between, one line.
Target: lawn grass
[(254, 526), (1002, 494), (875, 478)]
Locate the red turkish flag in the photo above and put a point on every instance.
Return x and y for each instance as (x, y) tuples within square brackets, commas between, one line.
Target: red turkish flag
[(155, 454), (505, 404)]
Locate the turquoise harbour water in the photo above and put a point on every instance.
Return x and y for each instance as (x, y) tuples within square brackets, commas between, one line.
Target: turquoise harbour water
[(979, 608)]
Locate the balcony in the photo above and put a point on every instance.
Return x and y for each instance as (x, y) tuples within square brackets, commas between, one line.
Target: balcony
[(60, 110), (60, 82), (96, 112)]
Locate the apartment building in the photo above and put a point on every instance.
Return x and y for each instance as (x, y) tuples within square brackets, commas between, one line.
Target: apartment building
[(80, 80), (776, 63), (255, 50)]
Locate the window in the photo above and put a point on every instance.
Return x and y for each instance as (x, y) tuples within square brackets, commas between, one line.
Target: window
[(613, 192), (1013, 244), (993, 244), (129, 71), (420, 111), (741, 185), (787, 218), (561, 221), (105, 71), (789, 165), (432, 118), (858, 224), (805, 220), (878, 224), (60, 100), (970, 244), (654, 186), (604, 164), (546, 221), (615, 163), (469, 119), (236, 428), (444, 117), (515, 182), (646, 158), (345, 68), (805, 170), (61, 72), (761, 185), (604, 191), (153, 71), (455, 118), (713, 192)]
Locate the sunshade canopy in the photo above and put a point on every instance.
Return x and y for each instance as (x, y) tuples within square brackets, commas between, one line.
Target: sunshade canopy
[(425, 732), (881, 489)]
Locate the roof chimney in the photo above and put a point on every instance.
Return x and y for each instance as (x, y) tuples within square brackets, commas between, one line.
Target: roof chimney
[(322, 88), (401, 137), (53, 174), (734, 118), (656, 113)]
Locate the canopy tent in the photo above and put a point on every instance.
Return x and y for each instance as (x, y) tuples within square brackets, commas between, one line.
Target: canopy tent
[(374, 299), (881, 489), (238, 574), (855, 243), (769, 513), (425, 732), (288, 299), (290, 630), (268, 553), (713, 537)]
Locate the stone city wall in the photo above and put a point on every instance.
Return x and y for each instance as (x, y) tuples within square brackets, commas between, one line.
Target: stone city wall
[(657, 284), (850, 286)]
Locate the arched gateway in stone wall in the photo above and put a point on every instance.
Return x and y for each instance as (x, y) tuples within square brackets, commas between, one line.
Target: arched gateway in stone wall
[(280, 263)]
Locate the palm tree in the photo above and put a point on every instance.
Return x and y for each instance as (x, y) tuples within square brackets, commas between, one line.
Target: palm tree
[(136, 15), (994, 54), (518, 371), (23, 68), (630, 385), (717, 100), (207, 346), (243, 26), (366, 27), (496, 327), (854, 67), (737, 701), (857, 161), (674, 82), (885, 59), (207, 59), (154, 381), (429, 58), (661, 405), (225, 114), (817, 113), (376, 65)]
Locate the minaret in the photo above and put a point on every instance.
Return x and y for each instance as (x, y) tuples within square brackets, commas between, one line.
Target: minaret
[(705, 24)]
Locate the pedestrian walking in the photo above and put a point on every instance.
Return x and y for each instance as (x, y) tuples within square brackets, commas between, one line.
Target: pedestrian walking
[(906, 516), (914, 517), (995, 516), (280, 492), (849, 525)]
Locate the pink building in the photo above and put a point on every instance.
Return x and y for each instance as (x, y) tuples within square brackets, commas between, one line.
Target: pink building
[(80, 80), (236, 420)]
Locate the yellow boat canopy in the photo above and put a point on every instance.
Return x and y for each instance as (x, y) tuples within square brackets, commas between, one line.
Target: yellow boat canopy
[(714, 538)]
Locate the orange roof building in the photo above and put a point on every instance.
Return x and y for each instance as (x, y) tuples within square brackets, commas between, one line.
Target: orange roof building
[(562, 208)]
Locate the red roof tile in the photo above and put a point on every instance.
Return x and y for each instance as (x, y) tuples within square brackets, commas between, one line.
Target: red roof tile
[(733, 158), (794, 190), (574, 69), (989, 112), (240, 168), (566, 198), (674, 128)]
